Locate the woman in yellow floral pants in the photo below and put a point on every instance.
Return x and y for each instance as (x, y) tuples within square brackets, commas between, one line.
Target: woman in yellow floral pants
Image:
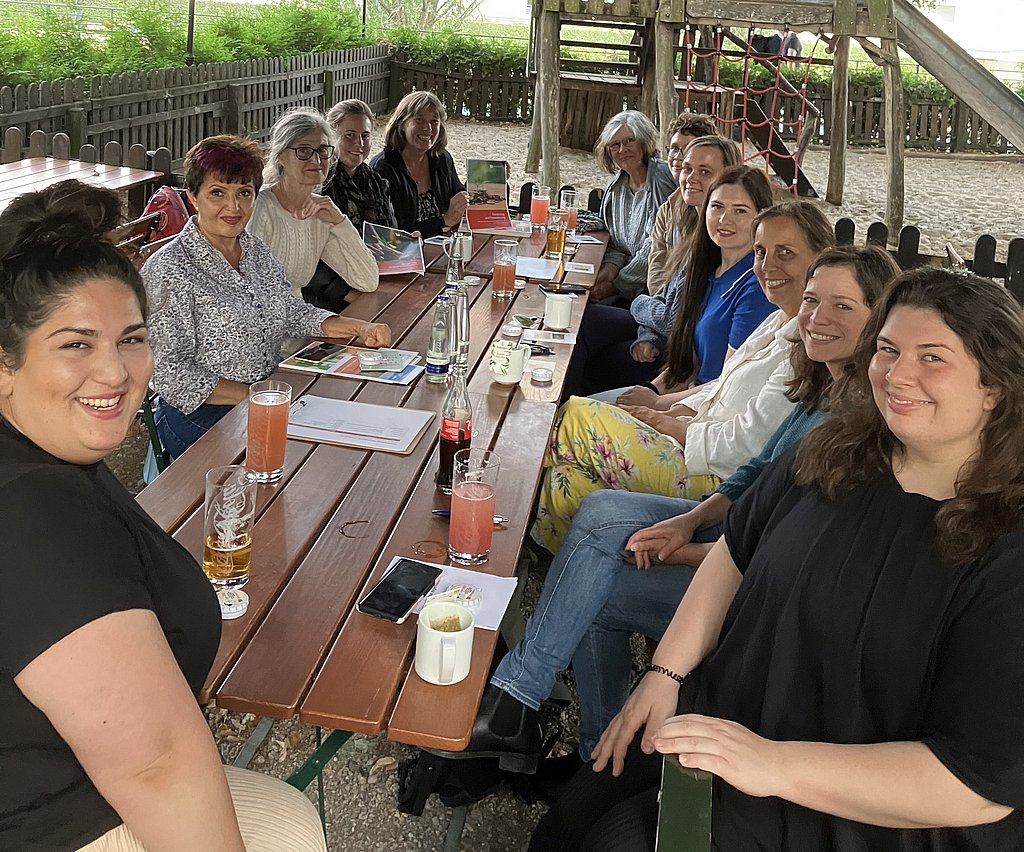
[(596, 445)]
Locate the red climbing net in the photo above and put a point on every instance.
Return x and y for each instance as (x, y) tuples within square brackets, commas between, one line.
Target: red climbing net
[(766, 116)]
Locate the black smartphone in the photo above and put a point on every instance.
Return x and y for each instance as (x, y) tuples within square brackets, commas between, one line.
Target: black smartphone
[(565, 288), (318, 352), (397, 592), (684, 808)]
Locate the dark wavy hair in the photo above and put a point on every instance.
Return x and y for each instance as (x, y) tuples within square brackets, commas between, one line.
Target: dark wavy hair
[(872, 268), (52, 242), (702, 259), (855, 444)]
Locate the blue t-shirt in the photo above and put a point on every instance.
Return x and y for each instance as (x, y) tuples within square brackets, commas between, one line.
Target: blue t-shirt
[(733, 307)]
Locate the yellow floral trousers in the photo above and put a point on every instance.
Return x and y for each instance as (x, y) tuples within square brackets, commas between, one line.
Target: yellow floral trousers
[(596, 445)]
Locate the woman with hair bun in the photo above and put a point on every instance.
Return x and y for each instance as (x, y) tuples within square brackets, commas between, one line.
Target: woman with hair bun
[(222, 308), (108, 627)]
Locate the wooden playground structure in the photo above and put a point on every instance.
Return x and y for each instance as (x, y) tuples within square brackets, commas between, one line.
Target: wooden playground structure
[(678, 49)]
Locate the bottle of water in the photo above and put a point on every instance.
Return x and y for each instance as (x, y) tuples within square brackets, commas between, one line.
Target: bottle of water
[(465, 238), (456, 266), (461, 325), (438, 356), (451, 289)]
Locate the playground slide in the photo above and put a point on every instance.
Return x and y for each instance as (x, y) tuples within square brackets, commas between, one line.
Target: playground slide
[(959, 72)]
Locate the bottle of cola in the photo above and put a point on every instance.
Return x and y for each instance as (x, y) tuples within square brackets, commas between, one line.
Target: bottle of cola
[(456, 427)]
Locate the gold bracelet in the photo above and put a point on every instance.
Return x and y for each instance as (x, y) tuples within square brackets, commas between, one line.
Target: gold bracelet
[(678, 678)]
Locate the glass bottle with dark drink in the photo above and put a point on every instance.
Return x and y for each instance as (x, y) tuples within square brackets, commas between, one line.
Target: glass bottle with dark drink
[(456, 426)]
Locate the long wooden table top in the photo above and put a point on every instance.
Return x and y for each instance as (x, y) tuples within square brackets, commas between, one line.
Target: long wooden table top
[(327, 530), (37, 173)]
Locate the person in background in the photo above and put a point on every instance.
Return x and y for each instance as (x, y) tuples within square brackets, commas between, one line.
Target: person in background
[(847, 660), (427, 193), (670, 223), (628, 150), (358, 191), (322, 253), (108, 627), (221, 303)]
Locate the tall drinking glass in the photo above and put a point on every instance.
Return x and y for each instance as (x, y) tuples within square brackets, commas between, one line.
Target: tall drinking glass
[(505, 254), (539, 205), (227, 535), (268, 429), (569, 200), (475, 477), (555, 244)]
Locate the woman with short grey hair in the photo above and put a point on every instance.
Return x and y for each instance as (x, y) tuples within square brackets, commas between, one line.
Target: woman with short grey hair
[(627, 148), (322, 253)]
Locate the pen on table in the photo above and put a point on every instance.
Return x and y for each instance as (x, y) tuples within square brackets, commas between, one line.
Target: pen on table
[(498, 520)]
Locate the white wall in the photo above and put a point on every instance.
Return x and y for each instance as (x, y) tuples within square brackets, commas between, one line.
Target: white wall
[(505, 10), (987, 29)]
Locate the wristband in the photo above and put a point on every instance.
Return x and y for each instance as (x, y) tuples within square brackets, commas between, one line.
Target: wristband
[(651, 386), (678, 678)]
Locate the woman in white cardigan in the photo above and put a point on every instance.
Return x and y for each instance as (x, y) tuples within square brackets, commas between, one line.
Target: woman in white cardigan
[(322, 253), (696, 438)]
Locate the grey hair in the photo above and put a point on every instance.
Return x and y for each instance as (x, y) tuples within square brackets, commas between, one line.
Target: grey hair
[(290, 127), (639, 125)]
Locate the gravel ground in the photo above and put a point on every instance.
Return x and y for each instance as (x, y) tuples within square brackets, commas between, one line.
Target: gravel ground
[(949, 198)]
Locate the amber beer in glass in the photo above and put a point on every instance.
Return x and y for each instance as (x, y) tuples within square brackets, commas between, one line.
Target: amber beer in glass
[(230, 512), (555, 245), (268, 429), (505, 254)]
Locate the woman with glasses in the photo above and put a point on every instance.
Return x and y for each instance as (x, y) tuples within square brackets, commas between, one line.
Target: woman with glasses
[(221, 304), (628, 150), (426, 191), (358, 191), (322, 253)]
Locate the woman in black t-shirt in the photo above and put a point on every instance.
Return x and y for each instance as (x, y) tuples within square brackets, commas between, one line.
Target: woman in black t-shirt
[(850, 651), (108, 627)]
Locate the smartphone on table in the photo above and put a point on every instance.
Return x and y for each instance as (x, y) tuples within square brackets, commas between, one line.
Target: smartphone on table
[(564, 288), (398, 591)]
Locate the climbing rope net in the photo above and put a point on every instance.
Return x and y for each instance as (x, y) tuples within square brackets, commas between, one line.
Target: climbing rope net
[(767, 115)]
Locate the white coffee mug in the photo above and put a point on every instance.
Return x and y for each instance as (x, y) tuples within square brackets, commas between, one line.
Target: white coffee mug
[(557, 311), (508, 361), (443, 656)]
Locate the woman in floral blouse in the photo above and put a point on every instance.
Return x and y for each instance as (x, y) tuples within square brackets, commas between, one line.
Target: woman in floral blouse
[(221, 305)]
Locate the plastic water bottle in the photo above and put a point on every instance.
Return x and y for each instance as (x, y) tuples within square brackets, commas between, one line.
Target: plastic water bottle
[(438, 355)]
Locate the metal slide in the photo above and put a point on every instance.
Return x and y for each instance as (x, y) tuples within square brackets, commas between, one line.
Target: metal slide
[(959, 72)]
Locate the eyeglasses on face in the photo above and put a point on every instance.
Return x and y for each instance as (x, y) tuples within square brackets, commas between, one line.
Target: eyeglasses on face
[(305, 152), (621, 145)]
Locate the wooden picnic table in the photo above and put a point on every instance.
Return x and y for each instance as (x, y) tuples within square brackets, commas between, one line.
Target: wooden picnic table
[(37, 173), (327, 530)]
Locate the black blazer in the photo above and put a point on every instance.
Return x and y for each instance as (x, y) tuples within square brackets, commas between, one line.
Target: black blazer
[(443, 180)]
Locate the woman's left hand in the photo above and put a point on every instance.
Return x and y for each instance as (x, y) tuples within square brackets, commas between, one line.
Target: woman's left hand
[(322, 208), (375, 334), (741, 758), (663, 421)]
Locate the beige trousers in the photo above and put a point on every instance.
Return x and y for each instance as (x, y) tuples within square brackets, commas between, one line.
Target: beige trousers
[(273, 817)]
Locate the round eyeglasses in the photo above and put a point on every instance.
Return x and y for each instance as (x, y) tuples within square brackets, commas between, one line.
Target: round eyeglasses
[(305, 152)]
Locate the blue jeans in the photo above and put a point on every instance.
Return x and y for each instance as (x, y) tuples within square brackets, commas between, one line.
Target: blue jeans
[(179, 431), (593, 600)]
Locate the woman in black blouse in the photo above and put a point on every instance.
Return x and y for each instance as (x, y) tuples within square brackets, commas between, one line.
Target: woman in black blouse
[(850, 651), (426, 192), (108, 627)]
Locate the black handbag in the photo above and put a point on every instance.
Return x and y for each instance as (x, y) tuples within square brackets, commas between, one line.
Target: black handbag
[(326, 289)]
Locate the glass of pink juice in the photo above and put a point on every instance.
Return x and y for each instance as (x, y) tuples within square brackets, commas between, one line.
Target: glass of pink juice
[(472, 521), (268, 429), (539, 207), (505, 255)]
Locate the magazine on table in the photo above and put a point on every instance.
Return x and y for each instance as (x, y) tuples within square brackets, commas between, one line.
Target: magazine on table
[(390, 366), (395, 251), (488, 202)]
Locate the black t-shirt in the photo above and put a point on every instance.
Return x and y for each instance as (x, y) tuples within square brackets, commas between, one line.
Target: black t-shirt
[(75, 547), (848, 628)]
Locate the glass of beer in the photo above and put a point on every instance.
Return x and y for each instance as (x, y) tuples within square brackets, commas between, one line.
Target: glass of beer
[(268, 429), (539, 205), (474, 479), (568, 200), (555, 245), (227, 535), (505, 254)]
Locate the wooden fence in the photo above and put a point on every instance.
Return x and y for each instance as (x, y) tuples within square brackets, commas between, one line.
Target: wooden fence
[(176, 107)]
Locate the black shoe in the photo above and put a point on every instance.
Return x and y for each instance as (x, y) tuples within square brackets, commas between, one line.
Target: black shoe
[(507, 729), (554, 774)]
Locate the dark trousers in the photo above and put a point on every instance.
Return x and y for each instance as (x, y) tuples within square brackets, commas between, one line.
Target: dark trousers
[(601, 359), (179, 431)]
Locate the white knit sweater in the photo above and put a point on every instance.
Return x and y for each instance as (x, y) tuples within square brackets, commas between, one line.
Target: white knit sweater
[(299, 243)]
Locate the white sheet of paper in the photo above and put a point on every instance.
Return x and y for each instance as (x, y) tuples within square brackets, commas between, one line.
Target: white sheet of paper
[(495, 592), (586, 268), (532, 335), (537, 267), (582, 239), (371, 427)]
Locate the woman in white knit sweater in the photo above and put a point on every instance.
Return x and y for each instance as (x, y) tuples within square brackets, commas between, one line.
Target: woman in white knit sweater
[(322, 253)]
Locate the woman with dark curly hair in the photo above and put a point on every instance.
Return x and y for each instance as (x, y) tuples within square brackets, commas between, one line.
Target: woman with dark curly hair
[(847, 659)]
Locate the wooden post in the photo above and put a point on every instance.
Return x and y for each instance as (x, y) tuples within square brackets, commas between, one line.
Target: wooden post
[(646, 76), (533, 148), (76, 127), (840, 121), (548, 95), (233, 109), (328, 95), (895, 135), (664, 74)]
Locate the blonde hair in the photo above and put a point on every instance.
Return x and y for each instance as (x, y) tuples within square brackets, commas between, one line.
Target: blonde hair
[(408, 107)]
